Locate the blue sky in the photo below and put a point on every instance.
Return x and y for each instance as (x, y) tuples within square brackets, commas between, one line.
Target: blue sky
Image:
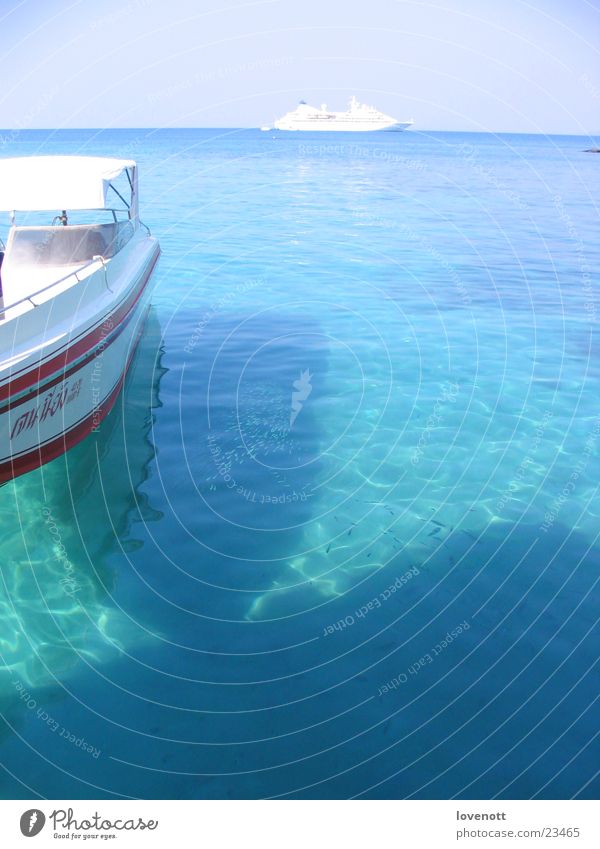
[(483, 65)]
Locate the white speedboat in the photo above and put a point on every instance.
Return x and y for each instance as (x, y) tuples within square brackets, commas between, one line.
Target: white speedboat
[(358, 118), (73, 299)]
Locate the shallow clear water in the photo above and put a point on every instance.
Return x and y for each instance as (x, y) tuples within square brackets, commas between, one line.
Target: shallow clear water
[(339, 536)]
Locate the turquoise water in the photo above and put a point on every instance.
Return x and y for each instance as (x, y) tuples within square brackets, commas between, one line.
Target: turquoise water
[(339, 536)]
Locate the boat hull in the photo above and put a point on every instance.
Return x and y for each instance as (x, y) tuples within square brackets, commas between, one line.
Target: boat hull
[(60, 407)]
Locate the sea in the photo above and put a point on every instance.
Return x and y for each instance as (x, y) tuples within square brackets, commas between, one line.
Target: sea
[(339, 536)]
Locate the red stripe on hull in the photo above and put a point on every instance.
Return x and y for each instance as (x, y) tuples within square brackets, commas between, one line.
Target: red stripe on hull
[(44, 454), (41, 388), (79, 349)]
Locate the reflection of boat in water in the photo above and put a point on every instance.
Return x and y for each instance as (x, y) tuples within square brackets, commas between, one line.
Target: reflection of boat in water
[(119, 451), (58, 568), (71, 297), (107, 470)]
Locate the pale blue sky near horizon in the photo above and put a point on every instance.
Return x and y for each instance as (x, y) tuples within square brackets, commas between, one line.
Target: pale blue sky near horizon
[(471, 65)]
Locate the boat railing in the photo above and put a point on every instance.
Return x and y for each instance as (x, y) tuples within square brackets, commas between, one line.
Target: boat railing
[(78, 244), (99, 260)]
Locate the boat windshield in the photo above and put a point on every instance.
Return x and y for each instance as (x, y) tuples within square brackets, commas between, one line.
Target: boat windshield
[(67, 245)]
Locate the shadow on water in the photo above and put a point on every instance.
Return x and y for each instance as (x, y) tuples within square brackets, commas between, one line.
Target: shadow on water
[(476, 666), (248, 454), (480, 660), (468, 672), (60, 524)]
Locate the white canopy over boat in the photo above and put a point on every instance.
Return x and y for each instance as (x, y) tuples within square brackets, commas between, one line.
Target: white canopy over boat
[(63, 182)]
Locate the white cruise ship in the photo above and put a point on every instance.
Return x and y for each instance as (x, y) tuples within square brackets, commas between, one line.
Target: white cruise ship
[(358, 118)]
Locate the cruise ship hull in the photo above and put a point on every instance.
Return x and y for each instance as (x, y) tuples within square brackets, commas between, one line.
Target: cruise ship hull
[(340, 127)]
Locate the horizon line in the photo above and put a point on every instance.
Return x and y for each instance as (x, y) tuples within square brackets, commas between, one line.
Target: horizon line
[(297, 133)]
